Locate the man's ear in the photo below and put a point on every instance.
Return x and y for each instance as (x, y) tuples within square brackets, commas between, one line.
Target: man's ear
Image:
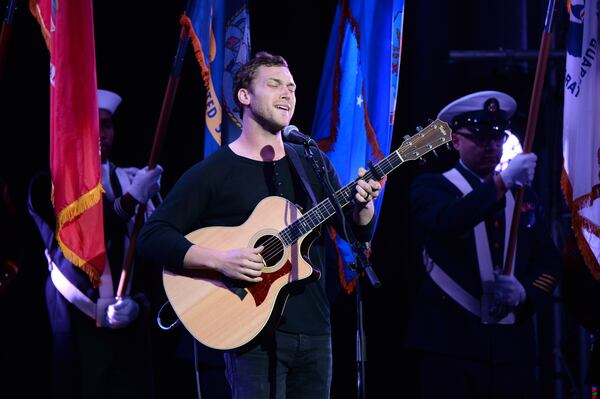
[(455, 142), (244, 96)]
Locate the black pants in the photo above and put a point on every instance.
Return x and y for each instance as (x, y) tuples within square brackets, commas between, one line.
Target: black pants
[(442, 376), (282, 366)]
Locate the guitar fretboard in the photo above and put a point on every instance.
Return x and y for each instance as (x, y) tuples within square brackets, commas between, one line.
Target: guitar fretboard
[(412, 148)]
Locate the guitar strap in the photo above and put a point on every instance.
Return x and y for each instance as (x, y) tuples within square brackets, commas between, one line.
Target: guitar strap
[(299, 167)]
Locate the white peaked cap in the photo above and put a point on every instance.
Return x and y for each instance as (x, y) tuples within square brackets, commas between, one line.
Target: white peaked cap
[(108, 100), (475, 102)]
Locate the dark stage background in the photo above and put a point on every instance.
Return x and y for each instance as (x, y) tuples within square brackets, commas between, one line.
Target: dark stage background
[(134, 55)]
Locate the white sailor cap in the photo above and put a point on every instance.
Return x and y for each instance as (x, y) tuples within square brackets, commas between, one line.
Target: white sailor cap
[(485, 112), (108, 100)]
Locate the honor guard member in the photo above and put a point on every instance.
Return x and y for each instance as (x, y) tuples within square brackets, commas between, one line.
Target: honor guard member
[(101, 346), (472, 329)]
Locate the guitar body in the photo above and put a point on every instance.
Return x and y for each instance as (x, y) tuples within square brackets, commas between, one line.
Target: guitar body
[(222, 313)]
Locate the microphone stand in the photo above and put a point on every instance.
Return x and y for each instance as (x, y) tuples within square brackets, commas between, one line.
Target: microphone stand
[(361, 266)]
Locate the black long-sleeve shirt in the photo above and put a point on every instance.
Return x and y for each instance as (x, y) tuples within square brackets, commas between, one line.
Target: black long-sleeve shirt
[(223, 190)]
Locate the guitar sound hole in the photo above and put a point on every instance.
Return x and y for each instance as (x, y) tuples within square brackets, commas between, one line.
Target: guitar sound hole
[(273, 251)]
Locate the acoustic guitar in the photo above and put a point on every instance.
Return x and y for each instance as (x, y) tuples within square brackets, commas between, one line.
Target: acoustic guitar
[(223, 313)]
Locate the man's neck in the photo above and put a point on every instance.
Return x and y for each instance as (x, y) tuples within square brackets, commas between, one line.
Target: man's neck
[(257, 143), (481, 178)]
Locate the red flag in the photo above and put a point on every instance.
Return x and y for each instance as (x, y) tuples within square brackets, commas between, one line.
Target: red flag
[(74, 131)]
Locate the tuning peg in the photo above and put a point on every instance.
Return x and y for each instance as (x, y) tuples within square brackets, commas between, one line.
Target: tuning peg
[(419, 128), (434, 152), (429, 120), (448, 146), (406, 137), (422, 161)]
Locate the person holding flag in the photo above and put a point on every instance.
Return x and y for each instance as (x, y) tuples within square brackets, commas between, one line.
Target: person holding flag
[(581, 173), (101, 344), (472, 326), (293, 359)]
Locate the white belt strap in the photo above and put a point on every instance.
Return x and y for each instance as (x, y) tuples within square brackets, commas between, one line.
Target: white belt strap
[(69, 291), (458, 293), (77, 298), (450, 287), (508, 214)]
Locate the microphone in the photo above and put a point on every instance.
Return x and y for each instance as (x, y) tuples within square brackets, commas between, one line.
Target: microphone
[(291, 134)]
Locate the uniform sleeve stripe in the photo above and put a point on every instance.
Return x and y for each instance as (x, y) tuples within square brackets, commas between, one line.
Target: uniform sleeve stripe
[(547, 277)]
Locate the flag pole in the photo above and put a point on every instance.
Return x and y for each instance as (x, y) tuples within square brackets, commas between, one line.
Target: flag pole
[(5, 33), (159, 135), (534, 107)]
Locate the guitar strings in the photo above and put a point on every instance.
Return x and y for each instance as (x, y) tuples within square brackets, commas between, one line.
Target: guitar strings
[(274, 245), (272, 250)]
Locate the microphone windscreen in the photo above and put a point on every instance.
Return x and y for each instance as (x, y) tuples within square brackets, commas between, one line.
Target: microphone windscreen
[(288, 130)]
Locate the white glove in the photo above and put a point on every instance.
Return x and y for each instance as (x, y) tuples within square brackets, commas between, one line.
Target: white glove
[(121, 313), (520, 170), (145, 184), (508, 291)]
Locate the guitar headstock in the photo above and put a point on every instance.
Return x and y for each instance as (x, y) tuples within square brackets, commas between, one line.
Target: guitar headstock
[(429, 138)]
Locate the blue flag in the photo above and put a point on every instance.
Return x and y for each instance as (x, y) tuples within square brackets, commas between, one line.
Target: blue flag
[(354, 118), (220, 34)]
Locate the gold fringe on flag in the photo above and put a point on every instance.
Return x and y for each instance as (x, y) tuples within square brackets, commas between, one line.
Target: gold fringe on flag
[(69, 213), (578, 223)]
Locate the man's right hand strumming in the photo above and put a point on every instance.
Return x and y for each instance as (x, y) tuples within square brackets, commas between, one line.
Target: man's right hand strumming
[(243, 264)]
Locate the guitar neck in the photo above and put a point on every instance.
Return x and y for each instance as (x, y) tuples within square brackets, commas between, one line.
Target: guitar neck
[(429, 138), (325, 209)]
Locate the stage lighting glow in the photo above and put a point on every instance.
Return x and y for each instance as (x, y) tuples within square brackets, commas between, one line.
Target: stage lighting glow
[(511, 147)]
